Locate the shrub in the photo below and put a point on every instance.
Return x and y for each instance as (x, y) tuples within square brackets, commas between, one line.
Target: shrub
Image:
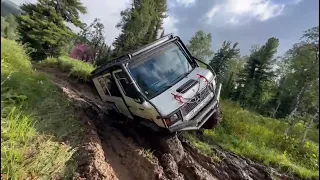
[(13, 57), (82, 52), (77, 69)]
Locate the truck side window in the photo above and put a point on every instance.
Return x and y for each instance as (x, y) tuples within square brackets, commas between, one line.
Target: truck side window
[(103, 84), (112, 86), (124, 83)]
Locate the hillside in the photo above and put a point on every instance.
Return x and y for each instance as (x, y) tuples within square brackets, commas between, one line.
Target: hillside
[(54, 125)]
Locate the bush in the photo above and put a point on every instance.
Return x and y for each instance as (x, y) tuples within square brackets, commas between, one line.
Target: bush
[(11, 57), (35, 119), (82, 52), (51, 61), (77, 69)]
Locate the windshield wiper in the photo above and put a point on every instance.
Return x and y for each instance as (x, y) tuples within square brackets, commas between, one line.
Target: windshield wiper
[(183, 75)]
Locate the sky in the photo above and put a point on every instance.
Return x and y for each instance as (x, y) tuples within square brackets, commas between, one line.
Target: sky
[(248, 22)]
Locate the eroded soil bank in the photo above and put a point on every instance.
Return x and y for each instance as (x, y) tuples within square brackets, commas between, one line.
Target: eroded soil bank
[(111, 150)]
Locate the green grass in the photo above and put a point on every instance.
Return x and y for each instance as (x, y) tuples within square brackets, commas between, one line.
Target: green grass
[(77, 69), (39, 132), (259, 138), (202, 146)]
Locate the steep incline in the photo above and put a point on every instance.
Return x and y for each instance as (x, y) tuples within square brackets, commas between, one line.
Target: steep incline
[(113, 150)]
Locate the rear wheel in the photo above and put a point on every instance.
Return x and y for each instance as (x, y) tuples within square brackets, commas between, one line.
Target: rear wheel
[(213, 121)]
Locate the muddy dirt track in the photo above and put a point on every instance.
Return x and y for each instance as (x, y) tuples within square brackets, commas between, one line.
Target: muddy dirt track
[(112, 150)]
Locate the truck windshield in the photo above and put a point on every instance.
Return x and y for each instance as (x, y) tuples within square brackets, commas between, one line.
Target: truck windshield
[(159, 70)]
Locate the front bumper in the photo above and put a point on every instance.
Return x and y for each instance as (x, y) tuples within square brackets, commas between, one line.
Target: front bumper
[(197, 122)]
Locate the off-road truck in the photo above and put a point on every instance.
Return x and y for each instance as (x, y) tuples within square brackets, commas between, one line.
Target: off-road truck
[(161, 86)]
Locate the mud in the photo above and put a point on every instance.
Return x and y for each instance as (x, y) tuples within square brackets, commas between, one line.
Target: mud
[(111, 150)]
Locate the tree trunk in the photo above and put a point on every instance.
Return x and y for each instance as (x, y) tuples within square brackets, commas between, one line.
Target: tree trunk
[(276, 110), (294, 111), (307, 127)]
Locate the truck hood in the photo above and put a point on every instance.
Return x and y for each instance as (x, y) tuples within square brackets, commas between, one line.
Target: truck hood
[(166, 102)]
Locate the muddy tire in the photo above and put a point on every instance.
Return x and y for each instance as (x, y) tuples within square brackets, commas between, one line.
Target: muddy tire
[(213, 121)]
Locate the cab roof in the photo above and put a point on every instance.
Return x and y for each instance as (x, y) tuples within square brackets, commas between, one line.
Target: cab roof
[(128, 57)]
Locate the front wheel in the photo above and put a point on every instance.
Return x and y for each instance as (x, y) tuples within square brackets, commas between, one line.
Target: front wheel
[(213, 121)]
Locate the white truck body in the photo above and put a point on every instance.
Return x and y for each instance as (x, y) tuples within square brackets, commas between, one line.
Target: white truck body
[(161, 92)]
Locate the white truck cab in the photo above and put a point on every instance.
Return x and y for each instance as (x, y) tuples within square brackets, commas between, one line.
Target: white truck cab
[(161, 86)]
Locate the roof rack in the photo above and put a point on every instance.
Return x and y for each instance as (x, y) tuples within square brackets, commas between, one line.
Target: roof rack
[(128, 56)]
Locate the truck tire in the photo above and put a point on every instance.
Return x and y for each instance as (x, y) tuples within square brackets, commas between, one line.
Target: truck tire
[(213, 121)]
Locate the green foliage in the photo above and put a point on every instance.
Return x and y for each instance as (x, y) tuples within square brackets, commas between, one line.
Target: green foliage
[(200, 45), (296, 93), (106, 56), (43, 28), (38, 129), (77, 69), (11, 55), (69, 10), (262, 139), (202, 146), (9, 27), (257, 73), (93, 36), (220, 61), (234, 67), (140, 25)]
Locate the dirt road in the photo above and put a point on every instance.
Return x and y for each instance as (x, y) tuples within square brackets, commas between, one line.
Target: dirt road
[(114, 151)]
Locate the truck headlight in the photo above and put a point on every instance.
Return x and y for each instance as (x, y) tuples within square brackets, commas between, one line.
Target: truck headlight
[(173, 119)]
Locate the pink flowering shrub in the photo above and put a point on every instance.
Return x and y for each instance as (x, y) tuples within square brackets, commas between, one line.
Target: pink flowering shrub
[(82, 52)]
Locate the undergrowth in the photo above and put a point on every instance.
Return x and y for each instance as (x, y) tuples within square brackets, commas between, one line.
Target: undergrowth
[(39, 132), (77, 69), (262, 139)]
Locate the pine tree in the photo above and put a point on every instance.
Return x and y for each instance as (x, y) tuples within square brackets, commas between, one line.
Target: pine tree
[(157, 22), (200, 45), (106, 56), (257, 72), (68, 9), (140, 25), (220, 60), (43, 29)]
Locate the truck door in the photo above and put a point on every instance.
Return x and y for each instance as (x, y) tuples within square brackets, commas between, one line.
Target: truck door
[(110, 93), (134, 105)]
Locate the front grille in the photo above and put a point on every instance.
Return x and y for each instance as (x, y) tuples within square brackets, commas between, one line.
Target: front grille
[(188, 107)]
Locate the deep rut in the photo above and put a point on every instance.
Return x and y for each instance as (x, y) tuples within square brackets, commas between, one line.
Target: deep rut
[(124, 153)]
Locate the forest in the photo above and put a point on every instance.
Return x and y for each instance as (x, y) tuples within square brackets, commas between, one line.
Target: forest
[(271, 94)]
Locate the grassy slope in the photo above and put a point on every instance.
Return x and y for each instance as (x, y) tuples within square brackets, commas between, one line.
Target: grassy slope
[(243, 132), (39, 132), (261, 139)]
